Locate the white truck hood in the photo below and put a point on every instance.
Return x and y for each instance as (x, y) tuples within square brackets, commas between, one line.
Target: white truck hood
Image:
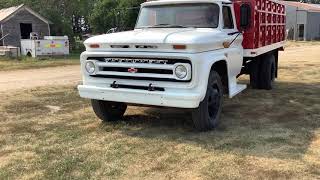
[(159, 40)]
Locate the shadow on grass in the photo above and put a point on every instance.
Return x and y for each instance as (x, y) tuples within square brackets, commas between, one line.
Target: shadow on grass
[(278, 123)]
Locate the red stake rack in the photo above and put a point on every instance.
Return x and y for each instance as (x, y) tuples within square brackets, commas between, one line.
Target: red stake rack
[(267, 23)]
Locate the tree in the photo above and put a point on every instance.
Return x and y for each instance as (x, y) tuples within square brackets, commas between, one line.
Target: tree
[(108, 14), (128, 13), (75, 17), (69, 17), (103, 16)]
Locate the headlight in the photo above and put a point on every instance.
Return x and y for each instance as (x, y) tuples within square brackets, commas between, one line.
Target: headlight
[(90, 67), (181, 71)]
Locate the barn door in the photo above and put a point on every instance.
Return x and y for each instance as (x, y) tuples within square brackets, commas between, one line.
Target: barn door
[(1, 40), (301, 32), (25, 30)]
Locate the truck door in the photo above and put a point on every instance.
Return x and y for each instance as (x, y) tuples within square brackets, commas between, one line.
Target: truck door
[(235, 51)]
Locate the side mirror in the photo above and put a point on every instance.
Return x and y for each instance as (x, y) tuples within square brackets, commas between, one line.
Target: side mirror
[(112, 30), (245, 16)]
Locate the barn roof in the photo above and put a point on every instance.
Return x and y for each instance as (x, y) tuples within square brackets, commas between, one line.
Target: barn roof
[(7, 13), (303, 6)]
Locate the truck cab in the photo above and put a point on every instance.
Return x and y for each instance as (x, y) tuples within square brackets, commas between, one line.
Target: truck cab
[(182, 54)]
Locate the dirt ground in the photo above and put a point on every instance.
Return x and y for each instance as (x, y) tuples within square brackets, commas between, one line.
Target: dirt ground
[(24, 79), (48, 132), (24, 63)]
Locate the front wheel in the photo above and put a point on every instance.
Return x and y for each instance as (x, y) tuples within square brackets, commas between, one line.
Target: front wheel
[(108, 111), (206, 116)]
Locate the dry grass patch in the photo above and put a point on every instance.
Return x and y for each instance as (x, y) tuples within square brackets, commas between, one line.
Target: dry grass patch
[(31, 63), (263, 135), (290, 44)]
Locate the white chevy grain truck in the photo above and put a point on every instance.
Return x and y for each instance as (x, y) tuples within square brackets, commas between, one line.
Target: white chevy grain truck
[(184, 54)]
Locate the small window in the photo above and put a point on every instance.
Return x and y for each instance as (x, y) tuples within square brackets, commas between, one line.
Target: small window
[(245, 15), (227, 18)]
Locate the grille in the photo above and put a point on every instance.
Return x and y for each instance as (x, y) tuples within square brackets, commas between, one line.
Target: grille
[(140, 60), (156, 69), (140, 70)]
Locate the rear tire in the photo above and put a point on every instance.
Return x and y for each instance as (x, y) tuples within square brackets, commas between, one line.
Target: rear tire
[(263, 72), (267, 72), (206, 116), (108, 111), (254, 74)]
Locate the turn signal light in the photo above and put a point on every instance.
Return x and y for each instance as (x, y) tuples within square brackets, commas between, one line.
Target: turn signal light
[(179, 47), (226, 44), (94, 46)]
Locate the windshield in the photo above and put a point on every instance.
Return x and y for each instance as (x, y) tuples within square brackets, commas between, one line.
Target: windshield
[(200, 15)]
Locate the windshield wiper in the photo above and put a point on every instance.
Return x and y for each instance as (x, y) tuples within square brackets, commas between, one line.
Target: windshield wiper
[(167, 26)]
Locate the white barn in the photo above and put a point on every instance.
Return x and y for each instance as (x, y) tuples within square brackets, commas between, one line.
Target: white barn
[(303, 21)]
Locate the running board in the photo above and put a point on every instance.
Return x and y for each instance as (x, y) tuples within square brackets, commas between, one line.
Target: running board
[(235, 88)]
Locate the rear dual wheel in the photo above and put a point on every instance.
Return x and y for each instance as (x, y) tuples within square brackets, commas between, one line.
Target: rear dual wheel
[(263, 72)]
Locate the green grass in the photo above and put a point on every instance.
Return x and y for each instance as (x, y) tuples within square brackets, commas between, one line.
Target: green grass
[(35, 63)]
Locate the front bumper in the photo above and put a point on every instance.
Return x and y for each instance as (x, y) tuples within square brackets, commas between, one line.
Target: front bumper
[(184, 99)]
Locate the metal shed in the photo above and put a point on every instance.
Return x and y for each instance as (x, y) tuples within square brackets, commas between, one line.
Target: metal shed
[(303, 21), (18, 22)]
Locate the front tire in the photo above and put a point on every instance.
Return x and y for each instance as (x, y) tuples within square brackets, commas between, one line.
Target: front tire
[(108, 111), (206, 116)]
